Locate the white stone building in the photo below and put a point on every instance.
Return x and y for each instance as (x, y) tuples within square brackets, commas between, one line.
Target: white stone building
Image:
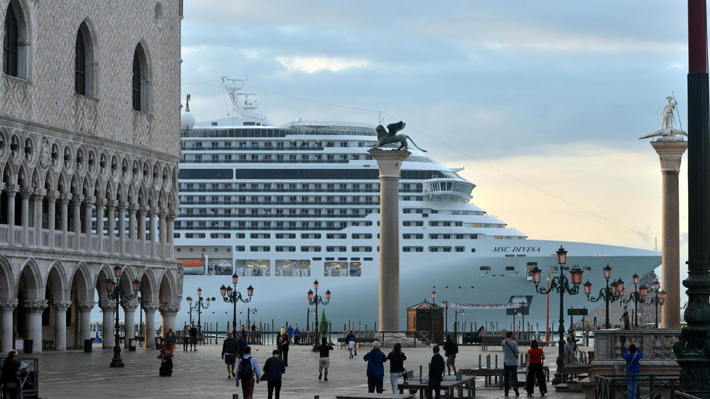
[(89, 152)]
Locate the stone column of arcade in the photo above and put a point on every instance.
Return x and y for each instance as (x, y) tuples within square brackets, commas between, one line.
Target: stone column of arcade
[(7, 307), (60, 324), (85, 308), (34, 309), (390, 164), (149, 309), (670, 151), (108, 309), (129, 322), (169, 311)]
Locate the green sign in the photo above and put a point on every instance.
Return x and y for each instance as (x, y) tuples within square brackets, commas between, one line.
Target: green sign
[(577, 312)]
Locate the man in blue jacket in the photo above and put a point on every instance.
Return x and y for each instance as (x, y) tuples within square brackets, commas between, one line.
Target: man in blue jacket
[(632, 355), (375, 368)]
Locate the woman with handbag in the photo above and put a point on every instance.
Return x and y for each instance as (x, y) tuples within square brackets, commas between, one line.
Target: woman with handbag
[(534, 369), (632, 355), (11, 376)]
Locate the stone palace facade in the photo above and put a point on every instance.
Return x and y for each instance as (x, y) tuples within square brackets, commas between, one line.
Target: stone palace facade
[(89, 152)]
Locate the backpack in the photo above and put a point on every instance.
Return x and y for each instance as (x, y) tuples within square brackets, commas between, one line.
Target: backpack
[(244, 371), (455, 348)]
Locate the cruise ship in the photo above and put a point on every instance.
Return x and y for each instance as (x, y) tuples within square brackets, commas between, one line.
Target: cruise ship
[(282, 206)]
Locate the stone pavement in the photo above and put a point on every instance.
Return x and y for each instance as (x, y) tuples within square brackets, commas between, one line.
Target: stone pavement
[(202, 374)]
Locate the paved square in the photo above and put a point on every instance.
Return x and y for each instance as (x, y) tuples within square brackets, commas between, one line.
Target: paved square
[(202, 374)]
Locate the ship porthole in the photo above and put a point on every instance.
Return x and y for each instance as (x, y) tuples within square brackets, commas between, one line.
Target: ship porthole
[(473, 249)]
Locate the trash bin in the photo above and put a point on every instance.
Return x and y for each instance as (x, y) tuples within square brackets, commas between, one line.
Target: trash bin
[(29, 343), (132, 345), (158, 343), (88, 344)]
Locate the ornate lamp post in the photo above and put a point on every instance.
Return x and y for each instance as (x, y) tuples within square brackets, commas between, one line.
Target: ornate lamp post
[(232, 296), (250, 312), (431, 313), (315, 299), (636, 297), (561, 285), (658, 299), (609, 294), (202, 303), (462, 312), (115, 292)]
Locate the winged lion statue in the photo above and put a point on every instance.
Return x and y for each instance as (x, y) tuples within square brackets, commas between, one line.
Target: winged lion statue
[(390, 136)]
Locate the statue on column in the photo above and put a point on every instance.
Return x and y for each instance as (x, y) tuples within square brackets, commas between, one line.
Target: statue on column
[(390, 136), (668, 129)]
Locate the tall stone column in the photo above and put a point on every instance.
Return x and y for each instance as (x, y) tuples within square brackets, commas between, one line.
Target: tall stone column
[(85, 308), (390, 164), (60, 324), (132, 209), (670, 151), (88, 208), (64, 201), (12, 191), (111, 224), (52, 216), (108, 309), (169, 311), (100, 207), (2, 187), (153, 243), (161, 233), (38, 198), (171, 233), (149, 309), (76, 214), (141, 229), (129, 322), (7, 307), (122, 227), (34, 309), (25, 194)]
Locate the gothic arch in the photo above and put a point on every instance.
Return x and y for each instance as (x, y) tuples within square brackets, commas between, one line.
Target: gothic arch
[(167, 292), (87, 34), (81, 279), (56, 278), (24, 39), (30, 273), (142, 82), (148, 286), (7, 280)]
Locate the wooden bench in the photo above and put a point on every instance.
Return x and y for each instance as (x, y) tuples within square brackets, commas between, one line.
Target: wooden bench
[(449, 386), (365, 395)]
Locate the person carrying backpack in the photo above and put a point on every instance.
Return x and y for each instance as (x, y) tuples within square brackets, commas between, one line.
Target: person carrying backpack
[(451, 348), (246, 371)]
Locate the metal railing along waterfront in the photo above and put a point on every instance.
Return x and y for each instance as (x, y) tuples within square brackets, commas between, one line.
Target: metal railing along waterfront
[(643, 387)]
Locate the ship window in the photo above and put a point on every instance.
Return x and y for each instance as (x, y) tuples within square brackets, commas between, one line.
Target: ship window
[(484, 270), (459, 249), (293, 268), (252, 267), (335, 269)]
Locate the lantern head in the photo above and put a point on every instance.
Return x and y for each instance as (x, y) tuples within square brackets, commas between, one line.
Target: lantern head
[(235, 278), (561, 256), (536, 273), (110, 285), (208, 301), (635, 277), (588, 288), (643, 290), (327, 295), (310, 295), (189, 300), (607, 271), (663, 296), (250, 290), (433, 297), (117, 272), (621, 285), (656, 285), (315, 285), (229, 291), (576, 275), (136, 285), (614, 287), (223, 290), (199, 291)]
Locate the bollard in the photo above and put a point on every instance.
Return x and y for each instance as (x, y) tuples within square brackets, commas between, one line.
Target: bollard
[(496, 361), (479, 360)]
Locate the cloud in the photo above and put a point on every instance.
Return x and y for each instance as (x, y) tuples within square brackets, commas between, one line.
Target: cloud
[(316, 64)]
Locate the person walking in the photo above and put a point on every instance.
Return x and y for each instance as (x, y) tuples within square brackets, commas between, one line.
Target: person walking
[(273, 369), (437, 367), (185, 337), (375, 368), (11, 376), (230, 352), (193, 337), (396, 359), (451, 348), (284, 348), (350, 341), (632, 355), (510, 363), (324, 360), (247, 370), (241, 344), (289, 331), (535, 370), (170, 340), (296, 335)]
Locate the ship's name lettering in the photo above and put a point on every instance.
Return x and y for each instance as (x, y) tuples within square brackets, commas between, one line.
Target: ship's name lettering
[(516, 249)]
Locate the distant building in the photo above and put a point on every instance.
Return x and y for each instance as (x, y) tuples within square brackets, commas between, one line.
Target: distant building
[(89, 152)]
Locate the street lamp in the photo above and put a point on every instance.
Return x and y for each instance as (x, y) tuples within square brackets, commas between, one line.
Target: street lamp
[(202, 303), (636, 297), (232, 296), (658, 299), (462, 312), (609, 294), (115, 292), (560, 284), (315, 299), (250, 312), (431, 313)]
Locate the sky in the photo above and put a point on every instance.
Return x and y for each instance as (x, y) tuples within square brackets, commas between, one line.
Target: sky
[(542, 102)]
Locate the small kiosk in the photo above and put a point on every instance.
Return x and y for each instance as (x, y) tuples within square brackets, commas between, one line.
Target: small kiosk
[(420, 318)]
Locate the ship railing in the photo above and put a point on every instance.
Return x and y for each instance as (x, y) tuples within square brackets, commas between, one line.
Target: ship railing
[(284, 161), (278, 203), (248, 148), (645, 387), (249, 228), (272, 215)]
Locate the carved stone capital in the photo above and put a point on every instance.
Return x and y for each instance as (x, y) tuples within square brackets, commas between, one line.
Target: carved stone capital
[(8, 304), (112, 204), (89, 199), (670, 154), (389, 162), (26, 192), (154, 210), (40, 192), (65, 197), (101, 202), (35, 305), (61, 305), (12, 188), (169, 309), (122, 205), (85, 306), (150, 307), (129, 306), (174, 214), (78, 198), (53, 195), (2, 186), (108, 306), (133, 207)]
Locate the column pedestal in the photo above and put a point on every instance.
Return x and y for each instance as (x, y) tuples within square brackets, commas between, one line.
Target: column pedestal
[(390, 164), (670, 150)]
